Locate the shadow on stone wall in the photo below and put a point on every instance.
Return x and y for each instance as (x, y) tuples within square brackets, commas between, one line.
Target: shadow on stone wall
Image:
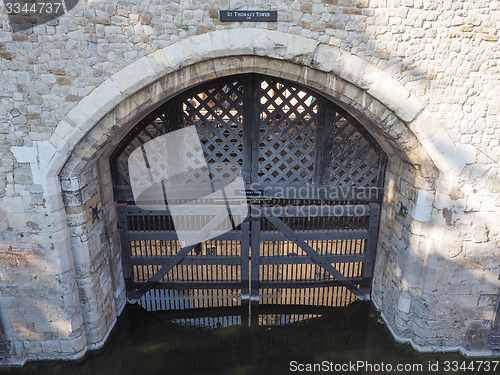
[(469, 292), (447, 289)]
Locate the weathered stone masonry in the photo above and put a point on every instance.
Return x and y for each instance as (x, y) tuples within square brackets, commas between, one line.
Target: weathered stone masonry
[(422, 76)]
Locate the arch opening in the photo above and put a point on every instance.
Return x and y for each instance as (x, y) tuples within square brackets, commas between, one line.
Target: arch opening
[(312, 180), (87, 173)]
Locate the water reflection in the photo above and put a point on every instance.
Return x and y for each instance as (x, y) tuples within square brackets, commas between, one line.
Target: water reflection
[(224, 341)]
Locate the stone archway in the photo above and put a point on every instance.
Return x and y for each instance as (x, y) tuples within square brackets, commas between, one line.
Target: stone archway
[(418, 149)]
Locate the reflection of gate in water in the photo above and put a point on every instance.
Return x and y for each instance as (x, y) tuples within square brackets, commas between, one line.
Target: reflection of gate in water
[(325, 332), (314, 180)]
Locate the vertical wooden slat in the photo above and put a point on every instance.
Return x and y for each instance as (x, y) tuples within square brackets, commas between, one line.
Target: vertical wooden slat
[(255, 253), (322, 149), (249, 129), (255, 250), (245, 258), (371, 247)]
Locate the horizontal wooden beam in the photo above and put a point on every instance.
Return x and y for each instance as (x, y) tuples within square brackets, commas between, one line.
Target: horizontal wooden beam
[(309, 235), (315, 210), (144, 236), (305, 284), (188, 260), (276, 191), (354, 258), (193, 210), (190, 285)]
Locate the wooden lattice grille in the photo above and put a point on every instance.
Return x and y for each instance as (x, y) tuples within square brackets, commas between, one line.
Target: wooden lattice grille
[(217, 114), (150, 128), (288, 118), (351, 160), (276, 132)]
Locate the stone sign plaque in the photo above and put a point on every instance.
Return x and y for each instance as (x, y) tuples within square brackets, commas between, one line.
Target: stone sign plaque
[(248, 15)]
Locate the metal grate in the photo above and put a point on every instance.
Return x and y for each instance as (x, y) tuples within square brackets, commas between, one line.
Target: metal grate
[(184, 299)]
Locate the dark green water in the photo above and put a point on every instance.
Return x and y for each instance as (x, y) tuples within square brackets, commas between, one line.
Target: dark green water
[(154, 343)]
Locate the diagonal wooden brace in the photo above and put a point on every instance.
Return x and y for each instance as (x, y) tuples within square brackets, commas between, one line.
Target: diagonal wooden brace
[(290, 234), (171, 262)]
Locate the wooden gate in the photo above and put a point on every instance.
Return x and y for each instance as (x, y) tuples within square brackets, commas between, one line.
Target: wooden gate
[(314, 181), (313, 254)]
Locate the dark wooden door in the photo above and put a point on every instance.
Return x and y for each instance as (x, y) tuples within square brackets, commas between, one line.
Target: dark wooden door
[(313, 178)]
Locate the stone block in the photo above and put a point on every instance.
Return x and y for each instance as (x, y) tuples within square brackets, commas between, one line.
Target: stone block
[(75, 347), (61, 144), (51, 348), (404, 303), (430, 279), (468, 153), (81, 252), (393, 95), (476, 337), (70, 184), (350, 67), (64, 254), (409, 109), (25, 154), (481, 233), (443, 143), (64, 129), (51, 173), (198, 48), (22, 174), (94, 106), (325, 57), (445, 160), (351, 91), (423, 205), (376, 110), (173, 55), (221, 43), (490, 38), (300, 50), (487, 300), (269, 43), (137, 75)]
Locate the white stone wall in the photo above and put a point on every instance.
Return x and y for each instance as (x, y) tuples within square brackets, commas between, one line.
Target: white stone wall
[(425, 72)]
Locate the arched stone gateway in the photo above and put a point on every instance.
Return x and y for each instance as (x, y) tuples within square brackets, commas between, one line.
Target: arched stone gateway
[(74, 170), (308, 170)]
